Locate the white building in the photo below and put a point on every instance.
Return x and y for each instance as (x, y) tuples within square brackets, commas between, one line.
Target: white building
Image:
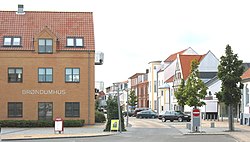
[(165, 86), (207, 70), (245, 116)]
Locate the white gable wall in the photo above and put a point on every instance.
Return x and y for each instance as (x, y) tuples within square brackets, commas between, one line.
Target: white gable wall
[(209, 63), (213, 88)]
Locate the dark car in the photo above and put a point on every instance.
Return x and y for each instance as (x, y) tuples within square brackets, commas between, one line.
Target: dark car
[(138, 110), (130, 113), (174, 115), (146, 114)]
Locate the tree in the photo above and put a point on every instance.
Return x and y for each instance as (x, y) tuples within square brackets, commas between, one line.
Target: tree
[(112, 113), (229, 72), (179, 94), (97, 103), (195, 89), (132, 101)]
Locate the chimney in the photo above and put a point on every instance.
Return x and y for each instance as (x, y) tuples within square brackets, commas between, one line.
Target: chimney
[(20, 9)]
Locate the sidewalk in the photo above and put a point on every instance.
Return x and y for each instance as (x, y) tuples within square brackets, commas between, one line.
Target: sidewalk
[(241, 132), (8, 134), (96, 130)]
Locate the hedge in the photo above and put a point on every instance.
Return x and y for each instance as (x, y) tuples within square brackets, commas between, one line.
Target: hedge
[(39, 123), (99, 117)]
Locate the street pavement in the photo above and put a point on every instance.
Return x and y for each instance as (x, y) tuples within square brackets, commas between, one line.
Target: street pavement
[(220, 128)]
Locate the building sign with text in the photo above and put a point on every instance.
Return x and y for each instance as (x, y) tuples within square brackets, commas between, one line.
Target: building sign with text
[(43, 92)]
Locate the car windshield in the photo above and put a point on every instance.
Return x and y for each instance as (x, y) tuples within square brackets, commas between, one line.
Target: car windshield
[(179, 112)]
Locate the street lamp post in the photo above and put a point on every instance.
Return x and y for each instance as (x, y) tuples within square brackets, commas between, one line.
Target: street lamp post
[(127, 108)]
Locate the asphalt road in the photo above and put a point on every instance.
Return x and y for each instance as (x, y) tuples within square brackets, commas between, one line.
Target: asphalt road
[(148, 130)]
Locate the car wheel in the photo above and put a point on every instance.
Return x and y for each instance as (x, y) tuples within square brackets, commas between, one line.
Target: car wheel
[(140, 117), (163, 119), (180, 119)]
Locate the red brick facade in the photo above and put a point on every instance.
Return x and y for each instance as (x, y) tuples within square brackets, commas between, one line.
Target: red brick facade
[(59, 93)]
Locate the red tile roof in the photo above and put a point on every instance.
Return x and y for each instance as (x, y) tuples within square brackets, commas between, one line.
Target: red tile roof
[(246, 74), (174, 56), (135, 75), (171, 79), (186, 61), (62, 24)]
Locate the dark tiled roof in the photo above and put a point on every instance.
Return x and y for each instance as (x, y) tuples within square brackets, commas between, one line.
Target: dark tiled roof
[(62, 24)]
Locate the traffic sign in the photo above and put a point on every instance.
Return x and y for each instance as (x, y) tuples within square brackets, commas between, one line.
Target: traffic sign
[(196, 112)]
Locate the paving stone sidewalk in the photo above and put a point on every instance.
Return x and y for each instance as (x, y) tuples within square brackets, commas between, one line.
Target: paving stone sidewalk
[(8, 134), (241, 133)]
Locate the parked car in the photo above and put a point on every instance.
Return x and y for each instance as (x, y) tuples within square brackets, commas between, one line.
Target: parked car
[(138, 110), (174, 115), (147, 114), (130, 113)]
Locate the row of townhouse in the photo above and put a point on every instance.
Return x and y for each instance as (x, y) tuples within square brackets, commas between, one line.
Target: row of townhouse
[(156, 87)]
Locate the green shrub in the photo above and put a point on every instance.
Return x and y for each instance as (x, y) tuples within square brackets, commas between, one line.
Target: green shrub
[(99, 117), (74, 123), (39, 123)]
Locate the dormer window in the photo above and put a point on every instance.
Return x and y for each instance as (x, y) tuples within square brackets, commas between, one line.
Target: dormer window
[(75, 42), (45, 46), (12, 41)]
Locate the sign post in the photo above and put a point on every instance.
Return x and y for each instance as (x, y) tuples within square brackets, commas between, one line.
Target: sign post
[(196, 120), (59, 125)]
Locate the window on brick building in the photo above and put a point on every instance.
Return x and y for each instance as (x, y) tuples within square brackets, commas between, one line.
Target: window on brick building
[(45, 111), (12, 41), (45, 75), (75, 42), (15, 75), (15, 109), (72, 109), (45, 46), (72, 75)]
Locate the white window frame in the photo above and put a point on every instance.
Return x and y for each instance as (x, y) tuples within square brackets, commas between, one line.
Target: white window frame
[(12, 41)]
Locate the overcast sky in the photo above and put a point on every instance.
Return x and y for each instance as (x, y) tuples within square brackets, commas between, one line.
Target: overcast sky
[(131, 33)]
